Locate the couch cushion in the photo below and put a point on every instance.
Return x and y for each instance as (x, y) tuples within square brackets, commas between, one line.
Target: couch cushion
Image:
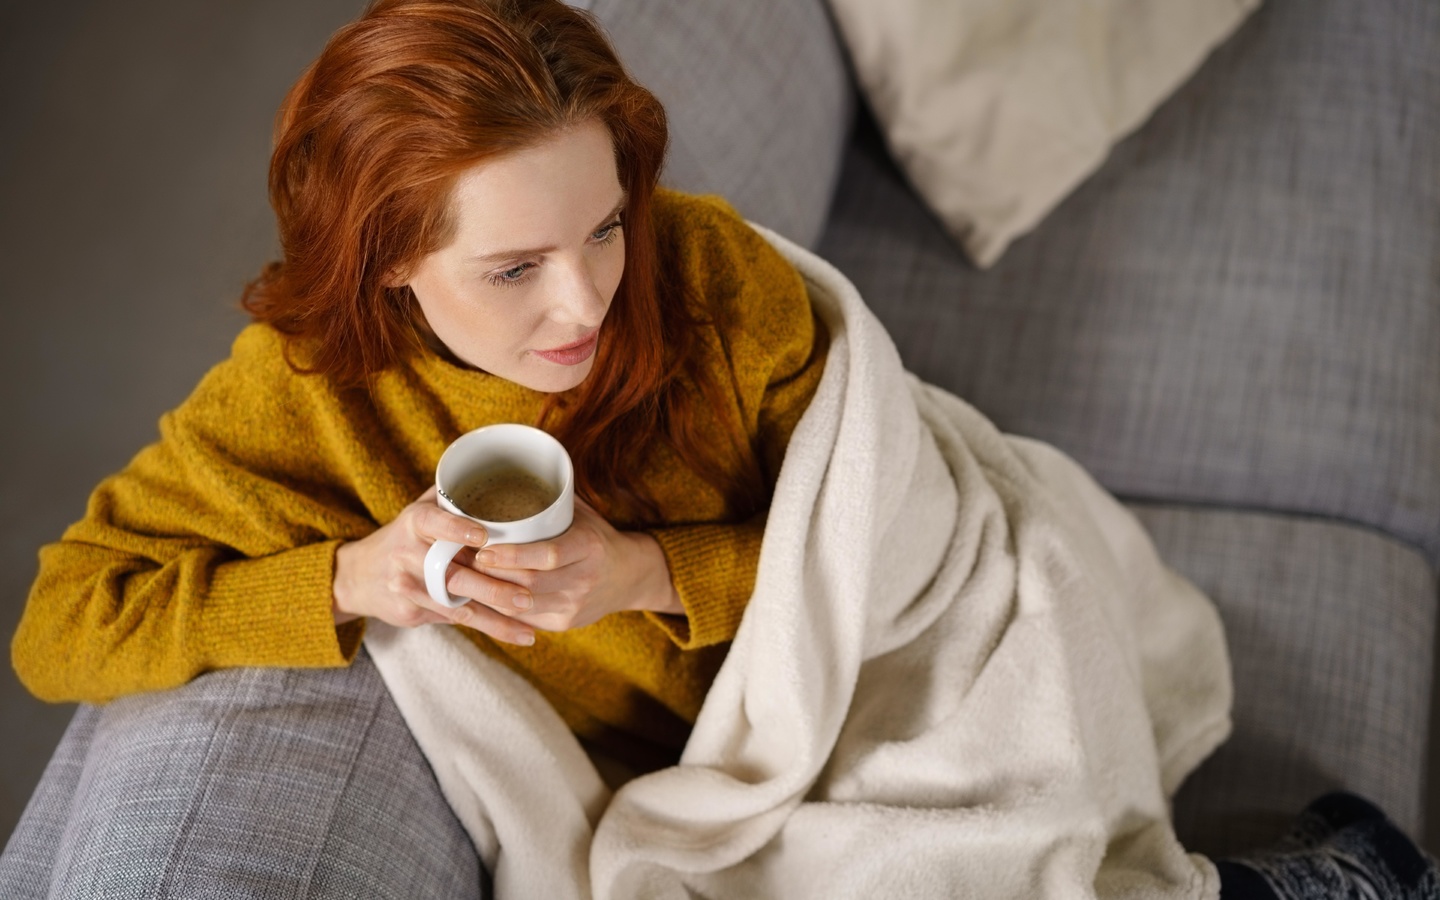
[(997, 110), (1241, 307), (261, 782), (758, 97), (1330, 630)]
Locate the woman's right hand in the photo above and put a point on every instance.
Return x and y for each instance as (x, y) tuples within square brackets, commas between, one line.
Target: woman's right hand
[(382, 576)]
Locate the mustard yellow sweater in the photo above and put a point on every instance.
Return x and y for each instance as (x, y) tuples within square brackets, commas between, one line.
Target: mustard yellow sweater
[(215, 547)]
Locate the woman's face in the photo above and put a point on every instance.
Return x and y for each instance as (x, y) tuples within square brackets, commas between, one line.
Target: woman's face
[(523, 288)]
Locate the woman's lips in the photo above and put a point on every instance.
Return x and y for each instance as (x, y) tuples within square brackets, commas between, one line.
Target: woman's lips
[(571, 354)]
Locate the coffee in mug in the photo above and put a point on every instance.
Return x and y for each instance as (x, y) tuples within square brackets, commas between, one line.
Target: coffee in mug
[(515, 480), (504, 494)]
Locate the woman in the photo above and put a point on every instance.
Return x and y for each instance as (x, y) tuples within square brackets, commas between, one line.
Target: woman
[(471, 233), (464, 244), (466, 202)]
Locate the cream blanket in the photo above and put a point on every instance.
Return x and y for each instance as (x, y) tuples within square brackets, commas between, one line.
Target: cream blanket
[(963, 673)]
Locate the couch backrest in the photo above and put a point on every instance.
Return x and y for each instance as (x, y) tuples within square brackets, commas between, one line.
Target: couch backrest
[(758, 94)]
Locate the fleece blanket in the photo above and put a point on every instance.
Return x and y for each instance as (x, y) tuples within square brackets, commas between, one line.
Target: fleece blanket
[(964, 672)]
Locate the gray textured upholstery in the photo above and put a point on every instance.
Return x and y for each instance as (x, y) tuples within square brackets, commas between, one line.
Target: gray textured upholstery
[(758, 96), (1330, 630), (244, 783), (1239, 308)]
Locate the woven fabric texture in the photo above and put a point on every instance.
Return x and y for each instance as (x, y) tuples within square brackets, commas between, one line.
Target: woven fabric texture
[(1330, 630), (273, 783), (1242, 307)]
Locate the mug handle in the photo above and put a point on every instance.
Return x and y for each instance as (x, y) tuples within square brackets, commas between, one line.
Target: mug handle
[(437, 563)]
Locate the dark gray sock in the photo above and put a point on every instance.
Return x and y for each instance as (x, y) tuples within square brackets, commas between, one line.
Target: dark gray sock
[(1344, 847), (1325, 816), (1301, 875), (1381, 854), (1240, 882)]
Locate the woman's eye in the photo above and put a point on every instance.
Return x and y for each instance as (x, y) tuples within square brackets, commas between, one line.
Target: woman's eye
[(607, 234), (512, 276)]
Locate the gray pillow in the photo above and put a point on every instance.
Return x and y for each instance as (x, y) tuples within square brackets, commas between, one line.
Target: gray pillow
[(759, 100)]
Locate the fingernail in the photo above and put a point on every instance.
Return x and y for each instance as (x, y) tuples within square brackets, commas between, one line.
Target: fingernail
[(487, 557), (522, 601), (474, 538), (525, 640)]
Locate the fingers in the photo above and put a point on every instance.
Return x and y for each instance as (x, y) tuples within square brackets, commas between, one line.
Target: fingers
[(432, 522), (471, 615), (486, 620), (504, 597), (385, 573), (586, 537), (541, 555), (417, 608), (545, 556)]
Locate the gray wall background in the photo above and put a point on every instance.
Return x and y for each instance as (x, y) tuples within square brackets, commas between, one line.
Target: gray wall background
[(134, 139)]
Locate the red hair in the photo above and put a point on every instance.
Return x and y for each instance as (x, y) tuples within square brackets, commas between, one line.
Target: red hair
[(369, 144)]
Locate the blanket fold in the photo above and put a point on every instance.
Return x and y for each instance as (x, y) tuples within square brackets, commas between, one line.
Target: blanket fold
[(963, 672)]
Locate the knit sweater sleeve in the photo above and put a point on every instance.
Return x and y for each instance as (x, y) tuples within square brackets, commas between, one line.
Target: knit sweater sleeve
[(776, 354), (213, 548)]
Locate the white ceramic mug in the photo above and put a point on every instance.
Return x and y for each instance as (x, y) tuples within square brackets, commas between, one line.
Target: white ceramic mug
[(491, 447)]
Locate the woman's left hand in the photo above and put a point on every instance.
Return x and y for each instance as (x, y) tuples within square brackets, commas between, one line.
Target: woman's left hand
[(585, 574)]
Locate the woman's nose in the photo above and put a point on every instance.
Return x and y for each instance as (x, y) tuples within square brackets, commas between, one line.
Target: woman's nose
[(579, 299)]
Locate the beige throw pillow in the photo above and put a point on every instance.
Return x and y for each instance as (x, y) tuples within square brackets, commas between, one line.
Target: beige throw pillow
[(996, 109)]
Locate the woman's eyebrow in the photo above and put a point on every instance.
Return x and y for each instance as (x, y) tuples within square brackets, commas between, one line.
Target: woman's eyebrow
[(503, 255)]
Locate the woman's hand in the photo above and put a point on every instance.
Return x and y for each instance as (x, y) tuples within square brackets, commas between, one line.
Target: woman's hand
[(585, 574), (382, 576)]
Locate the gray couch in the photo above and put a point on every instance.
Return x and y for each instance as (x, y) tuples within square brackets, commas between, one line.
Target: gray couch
[(1235, 324)]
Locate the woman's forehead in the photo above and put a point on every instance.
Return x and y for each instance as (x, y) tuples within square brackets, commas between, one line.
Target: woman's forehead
[(565, 185)]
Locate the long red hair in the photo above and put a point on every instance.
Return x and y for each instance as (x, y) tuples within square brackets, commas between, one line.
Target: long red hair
[(369, 144)]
